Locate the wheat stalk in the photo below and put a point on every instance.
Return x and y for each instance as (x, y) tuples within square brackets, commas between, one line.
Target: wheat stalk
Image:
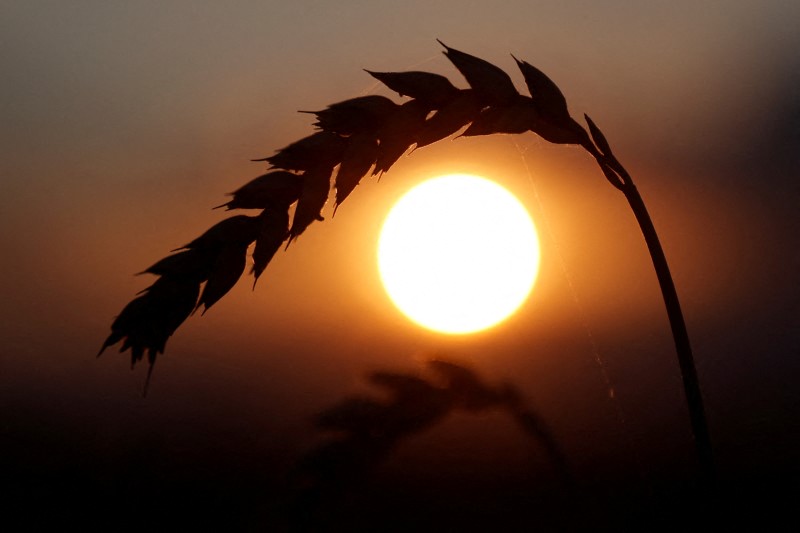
[(366, 136)]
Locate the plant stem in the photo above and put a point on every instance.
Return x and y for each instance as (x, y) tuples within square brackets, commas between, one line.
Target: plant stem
[(691, 384)]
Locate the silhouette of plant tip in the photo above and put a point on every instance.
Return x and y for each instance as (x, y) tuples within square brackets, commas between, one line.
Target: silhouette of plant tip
[(598, 137), (432, 89), (490, 83), (274, 190), (544, 91)]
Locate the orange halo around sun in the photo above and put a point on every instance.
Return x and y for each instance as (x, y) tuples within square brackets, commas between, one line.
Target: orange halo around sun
[(458, 254)]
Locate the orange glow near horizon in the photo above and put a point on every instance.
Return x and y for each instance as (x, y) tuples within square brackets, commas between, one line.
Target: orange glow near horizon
[(458, 254)]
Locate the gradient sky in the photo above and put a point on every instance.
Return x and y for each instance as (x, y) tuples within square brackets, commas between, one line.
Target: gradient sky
[(123, 123)]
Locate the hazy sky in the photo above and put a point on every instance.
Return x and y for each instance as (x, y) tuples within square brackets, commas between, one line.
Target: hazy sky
[(123, 123)]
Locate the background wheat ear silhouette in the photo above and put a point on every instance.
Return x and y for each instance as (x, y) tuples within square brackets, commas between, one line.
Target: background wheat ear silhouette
[(365, 429), (366, 136)]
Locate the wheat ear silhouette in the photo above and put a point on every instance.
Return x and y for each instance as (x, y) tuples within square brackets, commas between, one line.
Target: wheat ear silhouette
[(365, 136), (364, 430)]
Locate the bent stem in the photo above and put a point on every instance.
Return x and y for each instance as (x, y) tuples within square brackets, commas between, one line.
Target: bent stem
[(691, 384), (619, 178)]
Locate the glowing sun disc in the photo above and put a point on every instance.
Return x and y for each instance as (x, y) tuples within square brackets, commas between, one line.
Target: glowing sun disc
[(458, 254)]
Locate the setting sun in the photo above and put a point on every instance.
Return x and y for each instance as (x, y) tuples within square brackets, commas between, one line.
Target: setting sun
[(458, 254)]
